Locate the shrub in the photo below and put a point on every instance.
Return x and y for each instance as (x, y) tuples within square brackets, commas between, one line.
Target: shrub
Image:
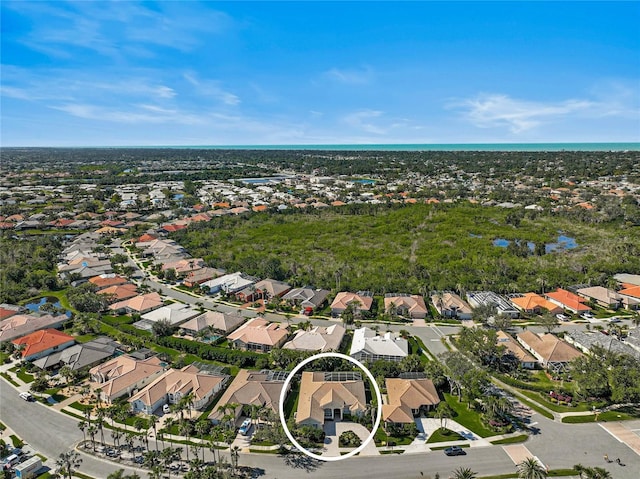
[(349, 439)]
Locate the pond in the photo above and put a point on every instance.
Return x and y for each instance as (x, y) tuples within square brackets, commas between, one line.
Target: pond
[(53, 305), (563, 243)]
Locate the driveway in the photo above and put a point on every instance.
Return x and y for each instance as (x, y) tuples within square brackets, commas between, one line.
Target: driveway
[(332, 431), (427, 426)]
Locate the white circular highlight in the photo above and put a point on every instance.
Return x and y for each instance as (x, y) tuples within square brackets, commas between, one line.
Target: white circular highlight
[(283, 395)]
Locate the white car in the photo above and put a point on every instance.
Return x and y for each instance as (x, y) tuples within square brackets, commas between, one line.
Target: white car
[(587, 316), (27, 396), (562, 317)]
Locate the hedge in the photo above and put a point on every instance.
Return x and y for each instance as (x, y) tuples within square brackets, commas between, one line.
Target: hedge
[(242, 359)]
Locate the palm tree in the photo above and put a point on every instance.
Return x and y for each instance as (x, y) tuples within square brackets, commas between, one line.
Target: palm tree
[(202, 427), (100, 424), (153, 422), (116, 434), (531, 468), (235, 452), (82, 425), (185, 430), (93, 430), (67, 462), (598, 473), (444, 412), (464, 473), (580, 469)]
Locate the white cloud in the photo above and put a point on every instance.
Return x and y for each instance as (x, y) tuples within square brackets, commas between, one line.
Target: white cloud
[(212, 88), (118, 29), (362, 120), (491, 110), (350, 76)]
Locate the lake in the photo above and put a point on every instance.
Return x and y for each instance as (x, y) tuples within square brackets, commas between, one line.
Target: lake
[(35, 306)]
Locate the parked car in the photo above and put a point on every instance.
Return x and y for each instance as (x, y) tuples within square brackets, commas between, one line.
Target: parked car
[(454, 451), (27, 396), (245, 427), (166, 409), (586, 316), (562, 317)]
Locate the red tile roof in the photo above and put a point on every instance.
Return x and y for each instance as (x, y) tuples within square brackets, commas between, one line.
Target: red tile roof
[(570, 300), (41, 341), (633, 291), (145, 238)]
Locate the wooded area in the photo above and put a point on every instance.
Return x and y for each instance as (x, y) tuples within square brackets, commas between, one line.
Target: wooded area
[(414, 249)]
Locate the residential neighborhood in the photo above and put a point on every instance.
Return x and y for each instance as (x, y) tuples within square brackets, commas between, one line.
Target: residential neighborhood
[(139, 331)]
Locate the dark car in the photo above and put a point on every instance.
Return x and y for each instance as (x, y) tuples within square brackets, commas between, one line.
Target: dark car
[(454, 451)]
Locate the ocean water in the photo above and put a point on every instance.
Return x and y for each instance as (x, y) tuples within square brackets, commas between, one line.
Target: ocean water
[(428, 147)]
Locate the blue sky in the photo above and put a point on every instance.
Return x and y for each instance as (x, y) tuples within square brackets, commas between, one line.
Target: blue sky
[(247, 73)]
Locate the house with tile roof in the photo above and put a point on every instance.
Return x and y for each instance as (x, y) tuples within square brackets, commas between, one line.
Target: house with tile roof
[(23, 324), (123, 376), (368, 346), (329, 396), (42, 343), (257, 334), (173, 385), (607, 298), (551, 352), (197, 277), (8, 310), (217, 322), (174, 313), (408, 399), (405, 305), (79, 356), (361, 302), (533, 303), (119, 292), (450, 305), (318, 338), (183, 267), (139, 304), (265, 290), (107, 280), (630, 291), (569, 301), (250, 388), (512, 348), (307, 298)]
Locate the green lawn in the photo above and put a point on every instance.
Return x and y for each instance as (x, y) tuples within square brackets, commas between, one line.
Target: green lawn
[(622, 414), (80, 407), (469, 419), (512, 440), (9, 378), (444, 436), (24, 376), (85, 338), (16, 441), (381, 436), (291, 403), (543, 399)]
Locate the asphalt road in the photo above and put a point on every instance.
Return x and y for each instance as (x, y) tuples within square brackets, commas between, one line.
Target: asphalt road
[(557, 445)]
